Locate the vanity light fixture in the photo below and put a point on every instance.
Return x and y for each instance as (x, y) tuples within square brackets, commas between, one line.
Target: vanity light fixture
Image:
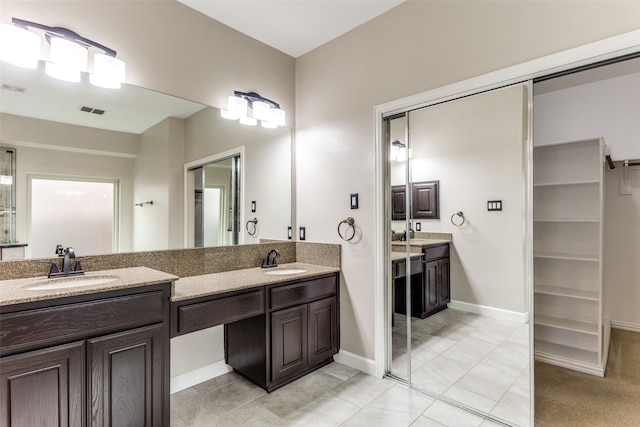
[(399, 151), (68, 53), (265, 110)]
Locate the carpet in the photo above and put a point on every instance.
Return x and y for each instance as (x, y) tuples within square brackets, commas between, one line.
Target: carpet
[(566, 398)]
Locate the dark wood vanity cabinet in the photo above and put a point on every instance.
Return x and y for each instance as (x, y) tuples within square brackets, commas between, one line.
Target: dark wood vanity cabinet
[(424, 200), (298, 333), (430, 282), (95, 360), (437, 284)]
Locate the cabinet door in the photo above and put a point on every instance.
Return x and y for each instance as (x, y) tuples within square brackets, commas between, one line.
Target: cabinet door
[(323, 337), (398, 202), (444, 283), (430, 286), (43, 387), (126, 378), (424, 204), (289, 342)]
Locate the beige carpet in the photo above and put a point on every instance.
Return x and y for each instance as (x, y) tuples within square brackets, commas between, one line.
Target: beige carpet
[(569, 398)]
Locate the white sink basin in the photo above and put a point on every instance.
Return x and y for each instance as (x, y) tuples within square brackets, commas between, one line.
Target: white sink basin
[(283, 271), (70, 282)]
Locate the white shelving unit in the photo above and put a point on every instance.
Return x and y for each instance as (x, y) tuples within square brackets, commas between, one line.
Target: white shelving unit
[(568, 210)]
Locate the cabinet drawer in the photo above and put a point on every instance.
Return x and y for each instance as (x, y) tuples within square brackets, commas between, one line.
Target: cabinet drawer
[(400, 268), (435, 252), (298, 293), (42, 327), (218, 311)]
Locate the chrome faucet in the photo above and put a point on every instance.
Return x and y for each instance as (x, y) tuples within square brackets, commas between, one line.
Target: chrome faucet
[(270, 260)]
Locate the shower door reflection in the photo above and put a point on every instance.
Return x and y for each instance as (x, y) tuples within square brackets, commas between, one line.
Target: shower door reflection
[(475, 351)]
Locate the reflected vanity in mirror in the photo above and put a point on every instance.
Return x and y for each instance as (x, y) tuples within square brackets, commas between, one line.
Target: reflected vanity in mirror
[(143, 144), (457, 292)]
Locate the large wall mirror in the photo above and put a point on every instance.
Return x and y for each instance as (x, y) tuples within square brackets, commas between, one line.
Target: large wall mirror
[(467, 337), (138, 145)]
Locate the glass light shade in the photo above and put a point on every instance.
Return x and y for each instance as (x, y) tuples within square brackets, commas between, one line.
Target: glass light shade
[(393, 155), (229, 115), (237, 105), (268, 125), (250, 121), (277, 116), (19, 46), (6, 180), (68, 59), (261, 110), (108, 71)]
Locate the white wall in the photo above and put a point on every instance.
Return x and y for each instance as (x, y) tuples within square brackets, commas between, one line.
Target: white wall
[(610, 109), (474, 147), (159, 178), (414, 47)]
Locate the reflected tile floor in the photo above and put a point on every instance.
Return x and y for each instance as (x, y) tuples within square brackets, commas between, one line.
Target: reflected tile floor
[(476, 360), (335, 395)]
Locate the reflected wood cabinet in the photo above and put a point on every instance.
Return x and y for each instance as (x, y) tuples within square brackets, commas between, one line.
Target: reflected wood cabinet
[(424, 201), (99, 360)]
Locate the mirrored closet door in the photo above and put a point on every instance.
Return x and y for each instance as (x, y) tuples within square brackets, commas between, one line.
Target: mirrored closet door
[(457, 218)]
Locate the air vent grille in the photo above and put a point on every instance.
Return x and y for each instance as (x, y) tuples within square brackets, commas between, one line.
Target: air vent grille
[(92, 110)]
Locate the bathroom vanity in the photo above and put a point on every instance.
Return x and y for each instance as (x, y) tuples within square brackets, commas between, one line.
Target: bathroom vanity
[(96, 358), (95, 350), (277, 327), (429, 276)]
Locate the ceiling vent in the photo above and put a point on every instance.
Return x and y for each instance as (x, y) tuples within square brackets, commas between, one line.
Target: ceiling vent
[(92, 110)]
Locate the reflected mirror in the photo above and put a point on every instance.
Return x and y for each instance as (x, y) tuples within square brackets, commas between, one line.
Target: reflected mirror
[(458, 290), (144, 142)]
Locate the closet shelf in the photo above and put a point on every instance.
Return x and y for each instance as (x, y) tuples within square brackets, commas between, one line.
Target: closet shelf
[(567, 324), (563, 351), (567, 292), (572, 257), (564, 183), (576, 220)]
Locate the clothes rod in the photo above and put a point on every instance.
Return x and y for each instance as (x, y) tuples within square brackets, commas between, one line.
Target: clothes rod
[(626, 163)]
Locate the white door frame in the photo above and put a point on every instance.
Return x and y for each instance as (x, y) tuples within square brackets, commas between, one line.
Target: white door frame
[(591, 53)]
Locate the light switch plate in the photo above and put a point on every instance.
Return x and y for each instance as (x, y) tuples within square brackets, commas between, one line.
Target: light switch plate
[(302, 234), (494, 205), (354, 201)]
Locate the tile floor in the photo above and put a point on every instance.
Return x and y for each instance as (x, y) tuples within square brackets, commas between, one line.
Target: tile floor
[(465, 357), (472, 359), (335, 395)]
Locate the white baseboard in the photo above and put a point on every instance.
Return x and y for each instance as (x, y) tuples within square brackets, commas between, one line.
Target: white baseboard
[(633, 327), (368, 366), (493, 312), (197, 376)]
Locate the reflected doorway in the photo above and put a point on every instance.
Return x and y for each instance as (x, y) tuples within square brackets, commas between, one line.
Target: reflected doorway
[(216, 202), (76, 212)]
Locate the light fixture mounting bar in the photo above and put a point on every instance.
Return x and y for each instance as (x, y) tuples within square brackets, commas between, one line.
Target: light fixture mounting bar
[(252, 96), (65, 33)]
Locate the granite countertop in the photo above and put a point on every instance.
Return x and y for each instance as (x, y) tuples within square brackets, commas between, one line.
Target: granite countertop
[(401, 256), (17, 291), (419, 244), (217, 283)]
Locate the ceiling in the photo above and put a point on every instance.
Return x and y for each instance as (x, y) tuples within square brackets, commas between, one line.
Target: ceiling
[(294, 27)]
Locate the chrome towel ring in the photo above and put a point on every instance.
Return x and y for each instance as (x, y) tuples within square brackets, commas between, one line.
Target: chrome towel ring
[(350, 222), (459, 223), (252, 226)]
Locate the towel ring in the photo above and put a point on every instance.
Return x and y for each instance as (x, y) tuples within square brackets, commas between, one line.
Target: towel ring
[(253, 228), (350, 223), (461, 215)]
